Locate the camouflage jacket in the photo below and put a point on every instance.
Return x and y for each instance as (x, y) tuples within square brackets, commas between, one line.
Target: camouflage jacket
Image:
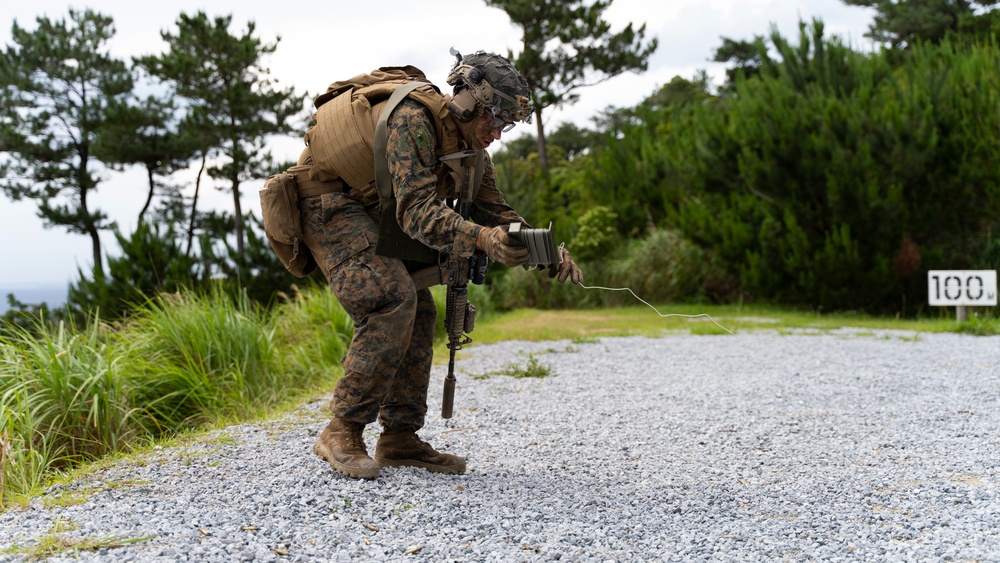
[(421, 210)]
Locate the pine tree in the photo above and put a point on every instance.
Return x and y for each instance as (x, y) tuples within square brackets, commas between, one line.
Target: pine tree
[(57, 83), (229, 92)]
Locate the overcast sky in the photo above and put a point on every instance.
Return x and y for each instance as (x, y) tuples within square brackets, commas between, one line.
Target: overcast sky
[(321, 42)]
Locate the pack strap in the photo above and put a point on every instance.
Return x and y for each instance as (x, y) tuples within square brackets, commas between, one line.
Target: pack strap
[(383, 179)]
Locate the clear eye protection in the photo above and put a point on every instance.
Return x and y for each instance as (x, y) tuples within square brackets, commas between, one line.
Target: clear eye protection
[(497, 122)]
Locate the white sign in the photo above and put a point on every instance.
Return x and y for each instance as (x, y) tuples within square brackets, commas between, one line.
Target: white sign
[(951, 288)]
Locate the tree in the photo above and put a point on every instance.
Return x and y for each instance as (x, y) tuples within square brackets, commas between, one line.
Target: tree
[(902, 23), (567, 45), (833, 180), (229, 92), (145, 132), (745, 57), (57, 83), (151, 262)]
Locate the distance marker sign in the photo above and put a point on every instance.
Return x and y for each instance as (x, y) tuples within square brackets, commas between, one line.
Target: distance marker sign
[(953, 288)]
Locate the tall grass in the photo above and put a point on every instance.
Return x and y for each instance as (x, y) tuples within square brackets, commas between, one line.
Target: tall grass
[(315, 331), (182, 360), (62, 399), (203, 355)]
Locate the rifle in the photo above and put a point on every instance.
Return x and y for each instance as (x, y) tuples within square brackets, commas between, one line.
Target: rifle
[(460, 315)]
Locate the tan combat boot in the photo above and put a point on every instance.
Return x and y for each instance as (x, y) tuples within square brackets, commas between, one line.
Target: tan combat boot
[(405, 449), (342, 446)]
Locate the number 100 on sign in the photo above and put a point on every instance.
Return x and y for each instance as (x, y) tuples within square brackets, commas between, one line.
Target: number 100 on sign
[(972, 288)]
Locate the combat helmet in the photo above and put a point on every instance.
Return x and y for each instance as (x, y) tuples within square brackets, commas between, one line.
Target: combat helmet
[(495, 85)]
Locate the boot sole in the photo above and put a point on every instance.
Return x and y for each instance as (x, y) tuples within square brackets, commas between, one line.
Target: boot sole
[(421, 464), (322, 451)]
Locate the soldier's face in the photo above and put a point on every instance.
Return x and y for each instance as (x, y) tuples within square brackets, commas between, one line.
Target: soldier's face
[(484, 133)]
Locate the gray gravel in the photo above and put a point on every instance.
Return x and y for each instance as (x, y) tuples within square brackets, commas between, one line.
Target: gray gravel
[(850, 445)]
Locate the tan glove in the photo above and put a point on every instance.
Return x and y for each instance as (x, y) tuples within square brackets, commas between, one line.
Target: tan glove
[(566, 268), (500, 247)]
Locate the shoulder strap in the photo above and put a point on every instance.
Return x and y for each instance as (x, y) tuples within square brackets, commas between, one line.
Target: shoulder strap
[(479, 172), (383, 180)]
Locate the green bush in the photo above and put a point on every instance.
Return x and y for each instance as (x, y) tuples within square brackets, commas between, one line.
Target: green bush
[(661, 267), (835, 181), (596, 235), (182, 360), (64, 398)]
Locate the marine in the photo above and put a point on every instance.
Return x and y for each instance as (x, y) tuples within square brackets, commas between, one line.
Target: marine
[(394, 167)]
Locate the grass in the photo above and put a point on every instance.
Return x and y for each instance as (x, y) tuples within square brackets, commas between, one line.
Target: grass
[(72, 400), (56, 542), (183, 362), (535, 325), (532, 369)]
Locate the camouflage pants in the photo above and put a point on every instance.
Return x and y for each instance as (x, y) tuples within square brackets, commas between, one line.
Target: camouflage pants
[(387, 369)]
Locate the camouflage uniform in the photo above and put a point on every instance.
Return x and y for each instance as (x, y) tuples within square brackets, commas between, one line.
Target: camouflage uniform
[(387, 369)]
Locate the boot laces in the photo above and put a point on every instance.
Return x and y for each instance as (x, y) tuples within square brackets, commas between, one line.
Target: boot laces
[(356, 440)]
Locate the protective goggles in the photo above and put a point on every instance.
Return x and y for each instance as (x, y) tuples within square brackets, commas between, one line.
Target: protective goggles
[(497, 122)]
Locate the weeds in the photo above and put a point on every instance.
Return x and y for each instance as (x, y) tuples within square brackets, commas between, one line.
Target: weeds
[(55, 542), (533, 369), (406, 507), (980, 325), (184, 361)]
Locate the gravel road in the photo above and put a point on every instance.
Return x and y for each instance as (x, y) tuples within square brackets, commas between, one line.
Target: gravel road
[(848, 445)]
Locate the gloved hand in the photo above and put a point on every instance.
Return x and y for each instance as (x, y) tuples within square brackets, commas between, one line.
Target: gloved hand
[(501, 247), (566, 268)]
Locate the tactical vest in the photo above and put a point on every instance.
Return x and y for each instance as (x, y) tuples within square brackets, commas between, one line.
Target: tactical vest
[(350, 132)]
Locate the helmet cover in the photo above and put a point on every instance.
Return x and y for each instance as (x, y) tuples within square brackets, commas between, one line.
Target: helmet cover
[(494, 83)]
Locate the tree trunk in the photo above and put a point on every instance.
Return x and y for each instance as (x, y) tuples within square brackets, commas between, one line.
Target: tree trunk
[(238, 218), (543, 155), (149, 196), (194, 203), (84, 183)]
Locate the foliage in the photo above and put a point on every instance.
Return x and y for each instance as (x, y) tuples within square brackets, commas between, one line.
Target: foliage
[(185, 359), (28, 316), (662, 267), (532, 369), (57, 83), (228, 91), (906, 23), (62, 399), (629, 174), (864, 179), (151, 262), (147, 133), (981, 325), (568, 45), (597, 234), (204, 355), (315, 330), (744, 57), (832, 179)]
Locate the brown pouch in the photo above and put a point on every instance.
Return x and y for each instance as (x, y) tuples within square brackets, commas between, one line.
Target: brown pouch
[(279, 206)]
